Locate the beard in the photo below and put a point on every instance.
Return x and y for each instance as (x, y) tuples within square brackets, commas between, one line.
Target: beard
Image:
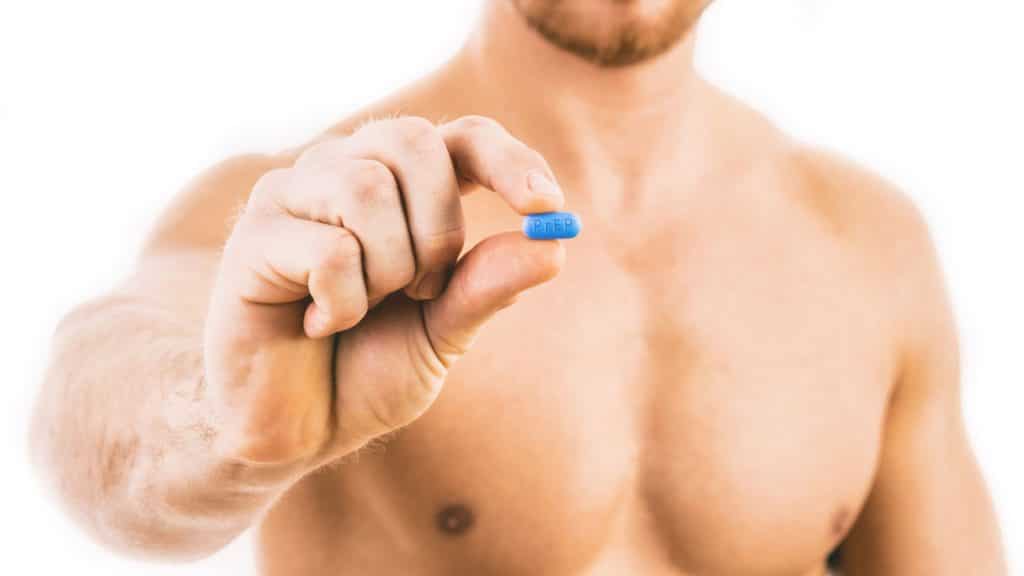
[(605, 33)]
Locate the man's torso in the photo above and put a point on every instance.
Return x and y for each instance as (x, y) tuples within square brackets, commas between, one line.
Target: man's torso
[(701, 391)]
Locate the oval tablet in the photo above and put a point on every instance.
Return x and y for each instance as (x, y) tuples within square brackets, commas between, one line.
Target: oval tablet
[(551, 225)]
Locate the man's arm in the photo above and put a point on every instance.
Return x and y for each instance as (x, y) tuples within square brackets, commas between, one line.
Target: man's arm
[(928, 512), (168, 424), (123, 430)]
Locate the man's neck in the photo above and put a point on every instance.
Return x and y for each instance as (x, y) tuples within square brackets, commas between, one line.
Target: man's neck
[(623, 118)]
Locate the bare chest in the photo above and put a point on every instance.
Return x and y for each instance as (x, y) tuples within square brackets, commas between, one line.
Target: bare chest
[(710, 399)]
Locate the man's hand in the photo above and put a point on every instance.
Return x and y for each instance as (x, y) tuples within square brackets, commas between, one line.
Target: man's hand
[(361, 239)]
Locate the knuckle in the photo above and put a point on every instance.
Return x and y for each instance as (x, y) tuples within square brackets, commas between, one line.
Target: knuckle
[(414, 124), (327, 209), (269, 185), (475, 124), (371, 182), (340, 252), (316, 197), (418, 135)]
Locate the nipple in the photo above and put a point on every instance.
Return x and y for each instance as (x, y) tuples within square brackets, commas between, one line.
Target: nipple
[(455, 519)]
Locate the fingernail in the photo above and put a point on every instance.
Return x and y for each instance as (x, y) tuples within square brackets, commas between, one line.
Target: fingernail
[(540, 183)]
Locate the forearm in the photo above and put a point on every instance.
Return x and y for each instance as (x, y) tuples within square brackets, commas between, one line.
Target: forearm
[(127, 432)]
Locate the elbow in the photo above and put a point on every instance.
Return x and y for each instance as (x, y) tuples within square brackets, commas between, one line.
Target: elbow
[(93, 487), (93, 465), (127, 527), (106, 510), (156, 542)]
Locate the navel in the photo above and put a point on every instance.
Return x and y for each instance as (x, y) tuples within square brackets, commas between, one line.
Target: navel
[(455, 519)]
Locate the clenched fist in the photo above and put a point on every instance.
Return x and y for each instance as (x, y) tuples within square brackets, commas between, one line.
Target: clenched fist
[(341, 299)]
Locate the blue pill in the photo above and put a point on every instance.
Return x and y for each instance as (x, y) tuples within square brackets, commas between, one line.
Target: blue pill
[(551, 225)]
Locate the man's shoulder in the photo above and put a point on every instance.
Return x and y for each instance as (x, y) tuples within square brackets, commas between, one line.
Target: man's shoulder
[(852, 202), (847, 199), (879, 225)]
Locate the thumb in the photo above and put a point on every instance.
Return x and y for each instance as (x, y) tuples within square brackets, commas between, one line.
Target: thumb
[(488, 278)]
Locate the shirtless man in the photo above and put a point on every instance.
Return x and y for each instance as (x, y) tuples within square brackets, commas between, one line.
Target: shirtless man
[(745, 360)]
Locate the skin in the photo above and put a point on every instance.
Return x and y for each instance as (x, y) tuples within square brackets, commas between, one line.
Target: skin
[(746, 359)]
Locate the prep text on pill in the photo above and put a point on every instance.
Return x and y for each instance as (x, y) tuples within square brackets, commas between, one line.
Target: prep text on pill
[(551, 225)]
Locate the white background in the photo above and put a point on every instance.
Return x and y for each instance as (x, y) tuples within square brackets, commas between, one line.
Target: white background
[(106, 108)]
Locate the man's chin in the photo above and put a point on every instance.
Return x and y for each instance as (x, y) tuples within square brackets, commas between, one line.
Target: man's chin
[(620, 55), (608, 43)]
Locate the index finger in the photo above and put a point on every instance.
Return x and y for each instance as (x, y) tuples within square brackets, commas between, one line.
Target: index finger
[(484, 153)]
